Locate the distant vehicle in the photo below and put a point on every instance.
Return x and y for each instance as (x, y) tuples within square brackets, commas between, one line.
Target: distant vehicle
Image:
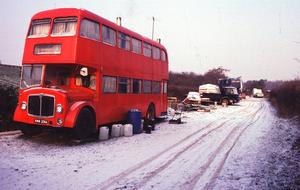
[(231, 82), (225, 95), (257, 93), (192, 98), (81, 71), (209, 88)]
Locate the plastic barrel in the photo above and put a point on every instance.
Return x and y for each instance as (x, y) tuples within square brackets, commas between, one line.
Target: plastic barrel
[(134, 117), (115, 130), (121, 130), (128, 129), (103, 133)]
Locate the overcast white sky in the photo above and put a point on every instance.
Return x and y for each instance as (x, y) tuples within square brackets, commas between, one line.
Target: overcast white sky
[(255, 39)]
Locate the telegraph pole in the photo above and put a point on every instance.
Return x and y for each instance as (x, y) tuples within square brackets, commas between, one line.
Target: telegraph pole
[(153, 20)]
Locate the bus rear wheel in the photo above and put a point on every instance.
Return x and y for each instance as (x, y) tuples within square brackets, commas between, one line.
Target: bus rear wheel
[(85, 125), (150, 116)]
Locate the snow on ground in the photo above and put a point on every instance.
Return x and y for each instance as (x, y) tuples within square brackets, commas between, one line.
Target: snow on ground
[(237, 147), (264, 158)]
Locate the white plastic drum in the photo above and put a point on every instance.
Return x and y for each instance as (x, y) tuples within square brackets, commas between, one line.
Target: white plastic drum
[(121, 130), (128, 130), (115, 130), (103, 133), (142, 124)]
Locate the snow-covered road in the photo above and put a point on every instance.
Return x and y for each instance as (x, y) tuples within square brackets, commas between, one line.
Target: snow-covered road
[(220, 149)]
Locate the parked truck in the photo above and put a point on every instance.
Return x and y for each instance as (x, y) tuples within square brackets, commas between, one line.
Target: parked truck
[(212, 93), (233, 82)]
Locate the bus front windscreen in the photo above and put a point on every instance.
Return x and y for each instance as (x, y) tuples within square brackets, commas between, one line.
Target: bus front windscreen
[(31, 76), (58, 75), (232, 91)]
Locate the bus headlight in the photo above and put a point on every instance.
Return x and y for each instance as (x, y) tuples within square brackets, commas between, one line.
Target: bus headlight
[(59, 108), (23, 106), (59, 121)]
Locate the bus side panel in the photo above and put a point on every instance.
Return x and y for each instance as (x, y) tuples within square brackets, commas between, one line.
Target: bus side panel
[(88, 52)]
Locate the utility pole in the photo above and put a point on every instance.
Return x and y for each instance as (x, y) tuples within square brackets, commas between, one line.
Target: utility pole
[(153, 20)]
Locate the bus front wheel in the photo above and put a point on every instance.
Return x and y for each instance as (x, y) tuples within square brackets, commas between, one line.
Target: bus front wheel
[(85, 125), (29, 130), (150, 116)]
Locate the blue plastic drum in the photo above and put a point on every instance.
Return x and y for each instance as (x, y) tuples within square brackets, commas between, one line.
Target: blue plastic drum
[(134, 117)]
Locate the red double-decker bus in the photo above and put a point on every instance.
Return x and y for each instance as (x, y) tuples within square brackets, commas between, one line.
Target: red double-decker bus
[(82, 71)]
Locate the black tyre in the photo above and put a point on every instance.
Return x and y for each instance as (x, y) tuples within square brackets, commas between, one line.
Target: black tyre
[(85, 125), (225, 102), (30, 130), (150, 116)]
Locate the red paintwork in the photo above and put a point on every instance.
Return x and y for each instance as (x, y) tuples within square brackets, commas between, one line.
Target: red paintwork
[(106, 60)]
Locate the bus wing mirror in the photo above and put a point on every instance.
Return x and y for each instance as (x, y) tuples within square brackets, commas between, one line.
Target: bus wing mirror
[(84, 71)]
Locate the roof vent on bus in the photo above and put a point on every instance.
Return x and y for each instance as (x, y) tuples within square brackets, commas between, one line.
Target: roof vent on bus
[(119, 21)]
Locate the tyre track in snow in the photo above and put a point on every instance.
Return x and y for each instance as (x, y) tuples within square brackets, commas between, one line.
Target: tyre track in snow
[(113, 180), (191, 184), (185, 149), (9, 133), (213, 179), (152, 174), (121, 176)]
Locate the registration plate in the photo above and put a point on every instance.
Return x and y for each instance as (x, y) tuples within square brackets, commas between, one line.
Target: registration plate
[(41, 121)]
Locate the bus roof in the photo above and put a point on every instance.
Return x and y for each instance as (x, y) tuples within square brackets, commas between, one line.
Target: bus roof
[(64, 12)]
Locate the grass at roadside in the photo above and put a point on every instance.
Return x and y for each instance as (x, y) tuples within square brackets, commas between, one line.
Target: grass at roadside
[(286, 98), (8, 103)]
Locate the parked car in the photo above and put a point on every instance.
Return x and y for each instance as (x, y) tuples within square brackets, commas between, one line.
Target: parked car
[(192, 98)]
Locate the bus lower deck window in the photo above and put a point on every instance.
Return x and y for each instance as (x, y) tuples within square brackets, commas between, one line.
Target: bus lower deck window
[(147, 86), (165, 90), (86, 81), (109, 84), (136, 86), (123, 85), (156, 87)]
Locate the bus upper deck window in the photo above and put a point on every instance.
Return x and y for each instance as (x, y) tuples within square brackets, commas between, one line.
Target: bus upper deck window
[(64, 26), (163, 55), (136, 45), (108, 35), (123, 41), (147, 49), (39, 28), (90, 29), (156, 53)]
